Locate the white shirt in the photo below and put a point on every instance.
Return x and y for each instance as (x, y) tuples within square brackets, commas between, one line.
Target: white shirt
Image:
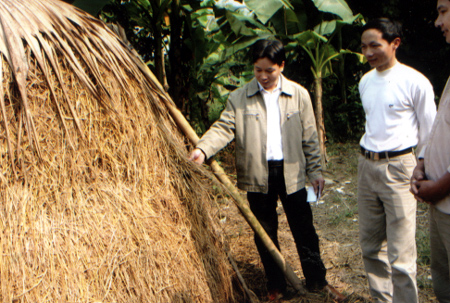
[(274, 144), (399, 106)]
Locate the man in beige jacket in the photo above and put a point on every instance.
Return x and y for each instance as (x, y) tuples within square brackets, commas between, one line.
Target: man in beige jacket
[(272, 121)]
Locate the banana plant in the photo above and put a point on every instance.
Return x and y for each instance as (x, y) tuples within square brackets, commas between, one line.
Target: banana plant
[(316, 42), (92, 7), (150, 16), (322, 53), (216, 34)]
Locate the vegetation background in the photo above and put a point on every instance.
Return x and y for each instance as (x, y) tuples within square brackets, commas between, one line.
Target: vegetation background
[(198, 49), (199, 52)]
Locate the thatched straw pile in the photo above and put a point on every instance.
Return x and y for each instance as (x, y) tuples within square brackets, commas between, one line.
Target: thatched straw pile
[(97, 201)]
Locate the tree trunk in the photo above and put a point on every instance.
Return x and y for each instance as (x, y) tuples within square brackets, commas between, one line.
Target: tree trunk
[(341, 74), (177, 85), (159, 59), (320, 121)]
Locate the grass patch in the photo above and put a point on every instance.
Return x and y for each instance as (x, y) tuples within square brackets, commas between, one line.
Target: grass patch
[(345, 209), (423, 245), (424, 282)]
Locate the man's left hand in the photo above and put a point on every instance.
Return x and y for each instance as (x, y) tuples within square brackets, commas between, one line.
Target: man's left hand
[(318, 185)]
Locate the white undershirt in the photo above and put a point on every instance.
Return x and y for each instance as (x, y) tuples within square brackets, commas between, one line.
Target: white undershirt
[(274, 143)]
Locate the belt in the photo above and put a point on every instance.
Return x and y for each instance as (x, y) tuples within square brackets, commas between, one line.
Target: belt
[(384, 155), (275, 163)]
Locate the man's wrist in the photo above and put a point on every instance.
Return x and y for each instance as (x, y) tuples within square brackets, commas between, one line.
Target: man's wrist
[(204, 154)]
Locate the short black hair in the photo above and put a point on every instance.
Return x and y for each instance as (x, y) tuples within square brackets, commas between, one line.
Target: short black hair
[(389, 29), (270, 49)]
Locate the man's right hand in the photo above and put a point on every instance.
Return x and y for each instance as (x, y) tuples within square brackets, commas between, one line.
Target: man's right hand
[(418, 175), (197, 156)]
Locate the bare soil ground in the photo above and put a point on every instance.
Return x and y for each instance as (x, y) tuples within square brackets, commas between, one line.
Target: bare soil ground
[(336, 222)]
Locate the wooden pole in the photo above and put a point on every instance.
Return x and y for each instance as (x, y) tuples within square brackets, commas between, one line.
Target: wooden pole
[(240, 203), (257, 227)]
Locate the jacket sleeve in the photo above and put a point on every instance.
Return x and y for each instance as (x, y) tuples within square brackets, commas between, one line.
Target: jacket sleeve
[(310, 143), (220, 133)]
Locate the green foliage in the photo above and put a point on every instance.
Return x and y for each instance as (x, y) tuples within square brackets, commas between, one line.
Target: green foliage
[(344, 210), (342, 196), (424, 282), (423, 246), (266, 9), (219, 67), (213, 36), (344, 121), (338, 7), (423, 235), (93, 7), (205, 43), (138, 20)]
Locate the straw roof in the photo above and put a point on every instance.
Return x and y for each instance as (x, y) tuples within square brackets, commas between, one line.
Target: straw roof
[(97, 200)]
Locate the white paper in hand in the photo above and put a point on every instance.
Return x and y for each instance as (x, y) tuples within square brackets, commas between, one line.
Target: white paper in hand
[(312, 197)]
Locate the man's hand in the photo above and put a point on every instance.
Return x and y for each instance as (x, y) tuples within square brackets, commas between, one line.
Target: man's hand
[(432, 192), (197, 156), (418, 175), (426, 191), (318, 186)]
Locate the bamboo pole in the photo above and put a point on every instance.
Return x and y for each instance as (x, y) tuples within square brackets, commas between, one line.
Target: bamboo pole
[(257, 228), (220, 174), (218, 171), (251, 295)]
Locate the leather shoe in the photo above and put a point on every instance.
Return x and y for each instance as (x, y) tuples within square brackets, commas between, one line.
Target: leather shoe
[(332, 293), (276, 295)]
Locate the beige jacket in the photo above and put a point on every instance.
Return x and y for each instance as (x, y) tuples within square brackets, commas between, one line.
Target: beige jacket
[(244, 119)]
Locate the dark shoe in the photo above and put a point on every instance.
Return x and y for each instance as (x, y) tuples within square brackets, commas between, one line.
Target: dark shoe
[(289, 294), (332, 293), (276, 295)]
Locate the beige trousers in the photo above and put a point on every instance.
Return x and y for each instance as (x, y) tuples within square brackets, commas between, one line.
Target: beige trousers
[(440, 254), (387, 226)]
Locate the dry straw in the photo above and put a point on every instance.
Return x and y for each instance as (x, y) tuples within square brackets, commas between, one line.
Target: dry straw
[(97, 201)]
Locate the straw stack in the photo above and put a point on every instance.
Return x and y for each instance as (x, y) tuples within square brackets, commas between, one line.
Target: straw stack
[(97, 201)]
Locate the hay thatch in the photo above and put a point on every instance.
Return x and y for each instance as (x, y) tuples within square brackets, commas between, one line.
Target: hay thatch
[(97, 200)]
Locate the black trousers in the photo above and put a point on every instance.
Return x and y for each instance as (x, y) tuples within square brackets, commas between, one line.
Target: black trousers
[(300, 219)]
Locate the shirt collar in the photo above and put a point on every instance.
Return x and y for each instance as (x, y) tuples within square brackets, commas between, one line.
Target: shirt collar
[(261, 88), (287, 87)]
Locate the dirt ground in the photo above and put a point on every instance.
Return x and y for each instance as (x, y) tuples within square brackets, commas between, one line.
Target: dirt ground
[(336, 222)]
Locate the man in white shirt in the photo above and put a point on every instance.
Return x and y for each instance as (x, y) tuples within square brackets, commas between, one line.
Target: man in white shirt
[(399, 105)]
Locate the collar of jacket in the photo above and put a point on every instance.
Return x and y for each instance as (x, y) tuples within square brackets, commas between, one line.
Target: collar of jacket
[(286, 87)]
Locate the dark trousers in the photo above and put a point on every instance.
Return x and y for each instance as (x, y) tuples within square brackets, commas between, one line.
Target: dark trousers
[(300, 219)]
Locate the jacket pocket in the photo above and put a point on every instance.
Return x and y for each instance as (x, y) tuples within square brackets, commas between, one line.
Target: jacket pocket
[(252, 114), (293, 123), (292, 114)]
